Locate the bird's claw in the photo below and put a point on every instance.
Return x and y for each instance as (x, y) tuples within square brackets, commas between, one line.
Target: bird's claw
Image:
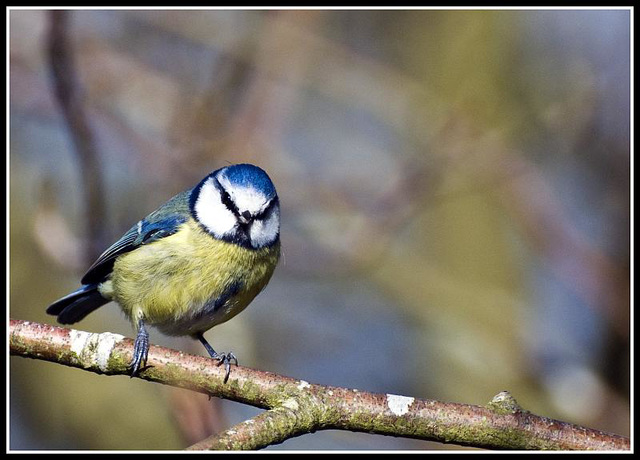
[(222, 358), (140, 350), (226, 358)]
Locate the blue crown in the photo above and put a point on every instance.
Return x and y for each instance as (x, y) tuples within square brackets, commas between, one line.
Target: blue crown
[(248, 175)]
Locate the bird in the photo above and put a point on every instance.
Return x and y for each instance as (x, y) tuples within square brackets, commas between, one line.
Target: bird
[(193, 263)]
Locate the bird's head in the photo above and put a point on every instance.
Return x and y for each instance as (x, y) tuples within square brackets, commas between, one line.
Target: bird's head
[(238, 204)]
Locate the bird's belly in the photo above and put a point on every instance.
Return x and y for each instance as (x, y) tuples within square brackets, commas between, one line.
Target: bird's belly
[(200, 318), (188, 282)]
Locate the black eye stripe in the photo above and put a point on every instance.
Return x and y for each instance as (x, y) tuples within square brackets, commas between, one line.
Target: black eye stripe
[(226, 199), (228, 202)]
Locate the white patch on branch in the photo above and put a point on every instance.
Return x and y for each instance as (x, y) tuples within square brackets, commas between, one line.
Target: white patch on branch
[(399, 405), (78, 341), (106, 342), (94, 347)]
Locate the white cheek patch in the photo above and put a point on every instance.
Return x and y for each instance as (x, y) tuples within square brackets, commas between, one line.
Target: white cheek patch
[(212, 213), (264, 232), (245, 198)]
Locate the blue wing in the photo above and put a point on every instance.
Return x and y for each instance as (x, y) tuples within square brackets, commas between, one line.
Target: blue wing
[(161, 223)]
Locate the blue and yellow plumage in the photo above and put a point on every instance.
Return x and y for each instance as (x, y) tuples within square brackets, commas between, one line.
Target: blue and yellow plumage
[(195, 262)]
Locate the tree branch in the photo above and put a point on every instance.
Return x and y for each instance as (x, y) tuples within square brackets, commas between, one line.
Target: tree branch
[(296, 407), (270, 427)]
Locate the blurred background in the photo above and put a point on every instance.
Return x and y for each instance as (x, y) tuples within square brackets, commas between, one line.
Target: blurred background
[(455, 191)]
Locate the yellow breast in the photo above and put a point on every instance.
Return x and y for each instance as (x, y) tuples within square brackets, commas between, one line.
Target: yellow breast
[(173, 283)]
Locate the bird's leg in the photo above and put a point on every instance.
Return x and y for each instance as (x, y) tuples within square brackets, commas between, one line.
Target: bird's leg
[(140, 349), (225, 358)]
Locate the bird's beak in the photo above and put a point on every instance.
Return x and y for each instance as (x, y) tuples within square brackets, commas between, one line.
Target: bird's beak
[(244, 217)]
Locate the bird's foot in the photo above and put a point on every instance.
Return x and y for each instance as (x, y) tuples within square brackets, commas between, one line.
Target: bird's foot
[(140, 350), (225, 358), (222, 358)]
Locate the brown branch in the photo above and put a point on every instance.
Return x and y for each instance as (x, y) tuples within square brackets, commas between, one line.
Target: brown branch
[(70, 97), (270, 427), (296, 407)]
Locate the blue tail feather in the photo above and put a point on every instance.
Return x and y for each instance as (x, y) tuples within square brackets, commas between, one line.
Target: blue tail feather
[(75, 306)]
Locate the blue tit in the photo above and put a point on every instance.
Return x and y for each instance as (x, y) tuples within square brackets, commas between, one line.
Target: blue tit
[(195, 262)]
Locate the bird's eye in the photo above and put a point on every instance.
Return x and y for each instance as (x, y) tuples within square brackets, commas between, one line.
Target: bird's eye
[(266, 211), (228, 202), (246, 215)]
